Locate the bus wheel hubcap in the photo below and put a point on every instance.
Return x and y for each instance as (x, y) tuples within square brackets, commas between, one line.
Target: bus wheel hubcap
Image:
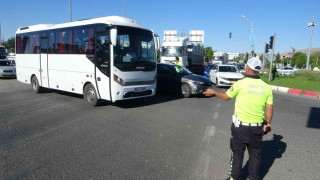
[(90, 95), (34, 85)]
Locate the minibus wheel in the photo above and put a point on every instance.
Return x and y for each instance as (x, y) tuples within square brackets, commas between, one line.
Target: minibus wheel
[(35, 84), (90, 95)]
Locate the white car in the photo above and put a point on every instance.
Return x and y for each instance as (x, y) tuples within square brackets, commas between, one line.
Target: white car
[(7, 69), (225, 75)]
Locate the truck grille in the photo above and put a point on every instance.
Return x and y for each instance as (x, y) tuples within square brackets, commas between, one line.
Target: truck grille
[(7, 71)]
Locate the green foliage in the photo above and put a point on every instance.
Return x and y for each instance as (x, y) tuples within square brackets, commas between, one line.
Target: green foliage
[(246, 58), (315, 59), (299, 59), (208, 54), (10, 44), (310, 75), (278, 58), (252, 53)]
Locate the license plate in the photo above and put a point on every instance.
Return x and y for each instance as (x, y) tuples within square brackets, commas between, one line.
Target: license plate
[(139, 89)]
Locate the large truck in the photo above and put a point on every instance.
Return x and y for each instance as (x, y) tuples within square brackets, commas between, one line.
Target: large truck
[(175, 47), (190, 54), (195, 58)]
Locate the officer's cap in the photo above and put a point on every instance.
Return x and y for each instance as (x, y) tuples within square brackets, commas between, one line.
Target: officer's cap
[(254, 64)]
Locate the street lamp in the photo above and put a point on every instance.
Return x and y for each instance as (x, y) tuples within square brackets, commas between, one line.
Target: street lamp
[(251, 31), (310, 42)]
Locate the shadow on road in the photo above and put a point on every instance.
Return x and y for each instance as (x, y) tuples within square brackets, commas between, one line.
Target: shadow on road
[(157, 99), (314, 120), (271, 150)]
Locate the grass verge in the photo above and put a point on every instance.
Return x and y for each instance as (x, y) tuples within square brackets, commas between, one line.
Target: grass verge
[(304, 80)]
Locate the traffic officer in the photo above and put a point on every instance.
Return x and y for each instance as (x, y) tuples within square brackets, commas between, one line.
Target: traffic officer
[(253, 97), (177, 62)]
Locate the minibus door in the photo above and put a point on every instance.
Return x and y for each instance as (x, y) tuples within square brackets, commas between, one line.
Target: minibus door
[(102, 65), (44, 79)]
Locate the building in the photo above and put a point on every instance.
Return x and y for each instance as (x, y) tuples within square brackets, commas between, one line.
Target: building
[(290, 53), (218, 55), (230, 57)]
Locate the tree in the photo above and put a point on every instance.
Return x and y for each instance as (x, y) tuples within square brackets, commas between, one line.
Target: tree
[(246, 58), (253, 53), (299, 59), (277, 60), (315, 59), (10, 44), (208, 54)]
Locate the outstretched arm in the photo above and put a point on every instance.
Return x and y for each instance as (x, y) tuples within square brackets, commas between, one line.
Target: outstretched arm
[(211, 92)]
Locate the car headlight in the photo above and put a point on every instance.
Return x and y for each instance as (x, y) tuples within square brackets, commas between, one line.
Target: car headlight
[(198, 82), (222, 77), (118, 80)]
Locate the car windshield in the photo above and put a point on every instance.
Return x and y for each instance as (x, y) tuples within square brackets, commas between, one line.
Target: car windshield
[(182, 70), (5, 63), (227, 69), (172, 51), (135, 50)]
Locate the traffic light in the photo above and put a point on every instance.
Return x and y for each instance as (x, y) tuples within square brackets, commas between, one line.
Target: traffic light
[(230, 34), (266, 49), (271, 42)]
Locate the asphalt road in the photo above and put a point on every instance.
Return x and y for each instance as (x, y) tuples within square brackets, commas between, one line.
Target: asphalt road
[(55, 135)]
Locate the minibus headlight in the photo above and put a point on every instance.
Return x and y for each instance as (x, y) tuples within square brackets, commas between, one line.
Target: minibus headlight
[(118, 80)]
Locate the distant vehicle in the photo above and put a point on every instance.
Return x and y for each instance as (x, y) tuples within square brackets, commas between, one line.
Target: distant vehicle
[(12, 58), (175, 47), (207, 69), (241, 66), (191, 55), (225, 75), (286, 70), (7, 69), (109, 58), (178, 79), (3, 53)]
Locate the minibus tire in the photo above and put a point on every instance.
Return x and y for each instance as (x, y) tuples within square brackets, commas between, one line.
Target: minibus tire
[(90, 95), (35, 85)]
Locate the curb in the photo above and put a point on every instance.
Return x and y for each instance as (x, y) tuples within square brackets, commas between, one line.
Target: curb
[(283, 89), (310, 93), (297, 92)]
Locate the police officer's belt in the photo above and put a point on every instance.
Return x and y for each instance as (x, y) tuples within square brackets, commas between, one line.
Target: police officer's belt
[(250, 124)]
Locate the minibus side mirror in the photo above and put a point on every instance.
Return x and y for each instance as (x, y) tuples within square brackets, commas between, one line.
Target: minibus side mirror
[(113, 36)]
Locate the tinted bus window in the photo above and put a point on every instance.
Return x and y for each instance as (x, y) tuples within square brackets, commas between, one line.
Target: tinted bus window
[(23, 44), (84, 40), (34, 45), (51, 46)]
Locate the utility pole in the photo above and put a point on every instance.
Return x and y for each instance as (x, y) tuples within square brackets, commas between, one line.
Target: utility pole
[(273, 43), (123, 8), (70, 13), (310, 42)]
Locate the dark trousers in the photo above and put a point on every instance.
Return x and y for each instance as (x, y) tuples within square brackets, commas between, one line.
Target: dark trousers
[(246, 137)]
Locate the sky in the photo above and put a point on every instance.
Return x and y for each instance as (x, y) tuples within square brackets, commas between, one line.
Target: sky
[(287, 19)]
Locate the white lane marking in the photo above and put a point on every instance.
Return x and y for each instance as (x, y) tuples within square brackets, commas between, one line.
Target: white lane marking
[(218, 105), (210, 132), (215, 115)]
